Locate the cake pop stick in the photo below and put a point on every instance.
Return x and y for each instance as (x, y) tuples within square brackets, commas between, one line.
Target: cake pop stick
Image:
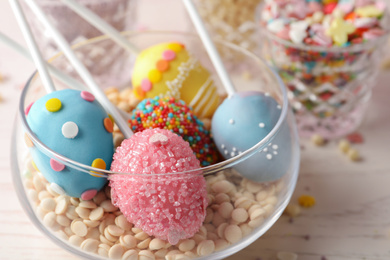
[(81, 69), (35, 54), (210, 47), (246, 118), (102, 25), (67, 80), (52, 119)]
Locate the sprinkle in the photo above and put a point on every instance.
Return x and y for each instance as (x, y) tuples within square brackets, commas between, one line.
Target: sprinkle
[(70, 130), (306, 201), (56, 166), (355, 138), (53, 105), (108, 124), (231, 121), (261, 125), (339, 31), (353, 155), (87, 96)]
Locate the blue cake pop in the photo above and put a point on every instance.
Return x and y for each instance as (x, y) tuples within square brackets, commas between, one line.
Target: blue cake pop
[(72, 123), (242, 121)]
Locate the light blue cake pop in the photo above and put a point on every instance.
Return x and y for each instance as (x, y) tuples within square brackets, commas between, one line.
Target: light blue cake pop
[(73, 124), (242, 121)]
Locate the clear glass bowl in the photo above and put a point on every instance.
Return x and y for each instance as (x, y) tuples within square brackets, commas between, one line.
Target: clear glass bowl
[(261, 203), (329, 87)]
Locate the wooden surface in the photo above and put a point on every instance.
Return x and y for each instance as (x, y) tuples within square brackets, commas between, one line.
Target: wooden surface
[(350, 220)]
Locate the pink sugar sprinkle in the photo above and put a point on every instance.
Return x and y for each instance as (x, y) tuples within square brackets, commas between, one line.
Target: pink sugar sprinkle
[(168, 206)]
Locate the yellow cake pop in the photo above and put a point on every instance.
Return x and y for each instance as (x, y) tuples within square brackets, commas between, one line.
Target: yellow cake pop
[(168, 69)]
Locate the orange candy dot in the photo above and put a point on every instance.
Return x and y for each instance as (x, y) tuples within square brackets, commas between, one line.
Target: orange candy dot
[(108, 125), (139, 93), (162, 65)]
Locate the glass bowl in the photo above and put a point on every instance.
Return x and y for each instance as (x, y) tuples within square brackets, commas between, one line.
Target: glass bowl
[(239, 210), (329, 87)]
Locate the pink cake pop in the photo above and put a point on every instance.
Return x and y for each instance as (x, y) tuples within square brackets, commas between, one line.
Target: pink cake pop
[(157, 195)]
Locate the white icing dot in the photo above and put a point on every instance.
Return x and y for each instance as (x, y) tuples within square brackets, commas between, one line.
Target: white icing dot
[(231, 121), (222, 146), (266, 94), (269, 156), (269, 144), (57, 188), (265, 149), (232, 154), (226, 152), (70, 129), (239, 152), (275, 147), (261, 125), (234, 149), (279, 106), (275, 152)]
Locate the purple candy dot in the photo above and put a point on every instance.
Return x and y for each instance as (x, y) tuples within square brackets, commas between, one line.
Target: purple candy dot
[(146, 85), (56, 166), (168, 55), (87, 96)]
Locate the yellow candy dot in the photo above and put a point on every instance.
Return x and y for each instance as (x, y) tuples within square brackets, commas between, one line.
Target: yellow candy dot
[(175, 47), (53, 105), (306, 201), (34, 166), (100, 164), (154, 76)]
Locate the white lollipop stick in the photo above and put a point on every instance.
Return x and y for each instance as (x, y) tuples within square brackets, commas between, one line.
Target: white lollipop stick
[(32, 45), (210, 47), (101, 25), (81, 69), (67, 80)]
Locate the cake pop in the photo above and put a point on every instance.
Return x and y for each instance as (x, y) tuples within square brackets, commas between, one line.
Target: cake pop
[(72, 123), (242, 121), (172, 114), (162, 190), (169, 69)]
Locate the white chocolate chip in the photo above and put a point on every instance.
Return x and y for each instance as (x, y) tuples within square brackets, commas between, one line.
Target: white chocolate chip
[(205, 247), (233, 233), (116, 252)]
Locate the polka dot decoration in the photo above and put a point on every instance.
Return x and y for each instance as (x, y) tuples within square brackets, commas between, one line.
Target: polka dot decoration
[(70, 130), (87, 96), (162, 65), (108, 124), (100, 164), (56, 166), (53, 105)]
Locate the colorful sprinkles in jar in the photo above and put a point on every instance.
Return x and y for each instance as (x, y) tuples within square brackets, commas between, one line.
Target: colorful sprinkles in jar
[(326, 51)]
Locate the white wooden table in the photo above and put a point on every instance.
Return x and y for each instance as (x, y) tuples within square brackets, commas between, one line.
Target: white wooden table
[(350, 220)]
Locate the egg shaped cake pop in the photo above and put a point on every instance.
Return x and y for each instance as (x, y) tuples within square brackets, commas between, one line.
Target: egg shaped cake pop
[(157, 195), (172, 114), (242, 121), (169, 69), (73, 124)]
